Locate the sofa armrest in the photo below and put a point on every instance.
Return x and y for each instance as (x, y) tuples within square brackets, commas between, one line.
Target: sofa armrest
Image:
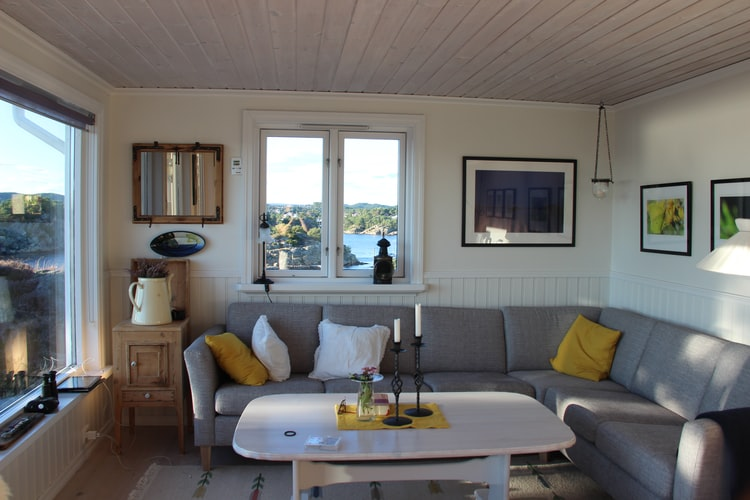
[(203, 377), (702, 461)]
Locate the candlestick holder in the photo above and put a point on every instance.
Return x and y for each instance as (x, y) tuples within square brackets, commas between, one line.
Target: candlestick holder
[(418, 381), (396, 386)]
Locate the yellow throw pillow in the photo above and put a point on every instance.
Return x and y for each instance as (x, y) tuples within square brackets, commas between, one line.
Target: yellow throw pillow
[(587, 350), (236, 358)]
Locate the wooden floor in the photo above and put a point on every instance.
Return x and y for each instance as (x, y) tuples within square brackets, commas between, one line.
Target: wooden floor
[(111, 476)]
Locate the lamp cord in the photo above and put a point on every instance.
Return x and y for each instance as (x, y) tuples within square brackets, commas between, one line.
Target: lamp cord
[(602, 110)]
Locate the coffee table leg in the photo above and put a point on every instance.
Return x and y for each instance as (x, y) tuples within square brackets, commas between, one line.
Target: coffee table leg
[(499, 474)]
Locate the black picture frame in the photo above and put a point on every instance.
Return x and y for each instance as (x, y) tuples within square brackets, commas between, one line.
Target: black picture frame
[(538, 198), (666, 218), (730, 199)]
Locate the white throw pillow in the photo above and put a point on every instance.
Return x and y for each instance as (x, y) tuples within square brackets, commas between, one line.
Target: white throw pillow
[(271, 350), (344, 350)]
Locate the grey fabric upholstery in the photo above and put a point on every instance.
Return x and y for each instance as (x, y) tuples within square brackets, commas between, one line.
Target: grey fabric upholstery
[(545, 380), (463, 340), (645, 451), (534, 333), (676, 367), (476, 381), (635, 433), (729, 386), (635, 330), (585, 409)]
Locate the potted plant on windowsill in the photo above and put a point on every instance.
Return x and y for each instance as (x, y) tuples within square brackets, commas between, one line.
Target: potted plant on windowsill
[(151, 294)]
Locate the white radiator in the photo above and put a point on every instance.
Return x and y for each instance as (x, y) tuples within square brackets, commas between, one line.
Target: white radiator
[(40, 464)]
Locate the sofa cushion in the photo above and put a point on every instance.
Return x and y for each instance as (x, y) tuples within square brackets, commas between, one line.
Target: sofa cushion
[(237, 359), (676, 367), (648, 452), (543, 380), (346, 349), (635, 330), (231, 399), (462, 339), (295, 324), (584, 410), (361, 315), (454, 381), (729, 386), (534, 333), (271, 351), (587, 350)]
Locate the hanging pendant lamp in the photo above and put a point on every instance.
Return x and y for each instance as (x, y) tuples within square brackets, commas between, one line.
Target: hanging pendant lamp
[(600, 186)]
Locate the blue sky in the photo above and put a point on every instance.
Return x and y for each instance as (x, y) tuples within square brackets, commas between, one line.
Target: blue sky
[(27, 164), (371, 167)]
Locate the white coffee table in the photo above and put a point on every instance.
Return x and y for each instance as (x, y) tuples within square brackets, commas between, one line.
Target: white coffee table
[(486, 428)]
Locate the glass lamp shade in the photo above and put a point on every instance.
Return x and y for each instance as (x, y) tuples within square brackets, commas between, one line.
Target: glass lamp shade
[(733, 257), (264, 234), (600, 188)]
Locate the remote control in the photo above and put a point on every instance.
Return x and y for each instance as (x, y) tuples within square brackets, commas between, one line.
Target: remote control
[(17, 428)]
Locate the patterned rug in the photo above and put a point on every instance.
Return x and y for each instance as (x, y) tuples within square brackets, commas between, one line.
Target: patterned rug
[(272, 481)]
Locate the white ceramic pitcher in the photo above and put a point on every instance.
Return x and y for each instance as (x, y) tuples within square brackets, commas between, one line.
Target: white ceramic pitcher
[(151, 299)]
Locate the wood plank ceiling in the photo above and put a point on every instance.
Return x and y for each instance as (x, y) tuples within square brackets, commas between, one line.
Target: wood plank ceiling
[(569, 51)]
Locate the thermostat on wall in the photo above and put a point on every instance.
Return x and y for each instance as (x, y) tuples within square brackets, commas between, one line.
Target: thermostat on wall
[(236, 166)]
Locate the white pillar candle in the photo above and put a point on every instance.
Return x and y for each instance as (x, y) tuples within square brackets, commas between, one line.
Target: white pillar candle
[(397, 330), (418, 320)]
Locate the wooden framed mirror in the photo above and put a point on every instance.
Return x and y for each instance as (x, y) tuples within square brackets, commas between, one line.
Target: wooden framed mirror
[(178, 183)]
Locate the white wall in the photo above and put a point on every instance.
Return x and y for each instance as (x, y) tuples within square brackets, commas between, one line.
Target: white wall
[(694, 132), (481, 277)]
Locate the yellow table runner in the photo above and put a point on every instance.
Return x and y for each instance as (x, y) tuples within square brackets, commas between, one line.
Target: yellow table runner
[(348, 421)]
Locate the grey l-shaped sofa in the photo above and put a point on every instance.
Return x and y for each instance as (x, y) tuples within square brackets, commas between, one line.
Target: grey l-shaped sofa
[(636, 433)]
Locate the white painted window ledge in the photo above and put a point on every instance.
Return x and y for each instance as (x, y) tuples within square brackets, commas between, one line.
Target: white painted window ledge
[(330, 288)]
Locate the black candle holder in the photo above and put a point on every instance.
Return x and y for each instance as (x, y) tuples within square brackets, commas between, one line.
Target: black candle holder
[(396, 386), (418, 381)]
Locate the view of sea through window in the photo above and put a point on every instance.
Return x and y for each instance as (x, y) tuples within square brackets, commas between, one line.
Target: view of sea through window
[(355, 204), (36, 152)]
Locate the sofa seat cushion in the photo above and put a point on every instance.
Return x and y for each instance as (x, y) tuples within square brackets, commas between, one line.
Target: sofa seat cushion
[(476, 381), (584, 410), (541, 380), (231, 398), (648, 452)]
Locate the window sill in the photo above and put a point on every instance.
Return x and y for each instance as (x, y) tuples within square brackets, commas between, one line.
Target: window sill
[(333, 288)]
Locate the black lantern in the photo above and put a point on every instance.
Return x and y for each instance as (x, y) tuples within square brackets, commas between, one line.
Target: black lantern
[(264, 234), (383, 274)]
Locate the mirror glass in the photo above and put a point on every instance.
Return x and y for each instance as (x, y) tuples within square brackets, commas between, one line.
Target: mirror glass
[(177, 183)]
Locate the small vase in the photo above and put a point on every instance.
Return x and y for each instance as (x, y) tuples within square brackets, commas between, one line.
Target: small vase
[(365, 401)]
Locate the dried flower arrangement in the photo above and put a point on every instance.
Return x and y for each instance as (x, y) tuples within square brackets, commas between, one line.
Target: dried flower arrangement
[(151, 268)]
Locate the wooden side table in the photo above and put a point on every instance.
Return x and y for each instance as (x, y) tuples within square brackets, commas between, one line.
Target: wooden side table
[(148, 371)]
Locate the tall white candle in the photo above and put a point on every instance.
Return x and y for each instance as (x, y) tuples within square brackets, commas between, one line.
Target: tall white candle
[(418, 320), (397, 330)]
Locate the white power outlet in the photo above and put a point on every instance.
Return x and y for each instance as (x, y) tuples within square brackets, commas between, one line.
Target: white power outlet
[(84, 433)]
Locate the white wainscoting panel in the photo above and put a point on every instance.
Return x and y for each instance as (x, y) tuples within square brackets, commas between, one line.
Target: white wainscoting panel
[(46, 458), (721, 314)]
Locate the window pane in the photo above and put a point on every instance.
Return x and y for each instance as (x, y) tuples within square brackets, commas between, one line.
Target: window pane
[(33, 322), (294, 196), (371, 198)]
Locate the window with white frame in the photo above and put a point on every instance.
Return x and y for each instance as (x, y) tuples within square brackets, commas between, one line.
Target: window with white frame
[(39, 224), (331, 192)]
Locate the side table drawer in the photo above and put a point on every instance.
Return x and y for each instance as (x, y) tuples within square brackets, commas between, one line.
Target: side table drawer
[(148, 396)]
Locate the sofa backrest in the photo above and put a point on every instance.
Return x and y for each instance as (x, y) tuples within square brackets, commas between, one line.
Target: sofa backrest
[(635, 329), (361, 315), (533, 333), (462, 339), (676, 367), (729, 386), (295, 324)]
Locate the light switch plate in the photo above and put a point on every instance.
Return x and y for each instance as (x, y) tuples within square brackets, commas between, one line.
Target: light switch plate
[(236, 166)]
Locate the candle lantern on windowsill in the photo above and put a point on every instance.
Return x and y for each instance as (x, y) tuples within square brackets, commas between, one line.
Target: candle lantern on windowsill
[(383, 272)]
